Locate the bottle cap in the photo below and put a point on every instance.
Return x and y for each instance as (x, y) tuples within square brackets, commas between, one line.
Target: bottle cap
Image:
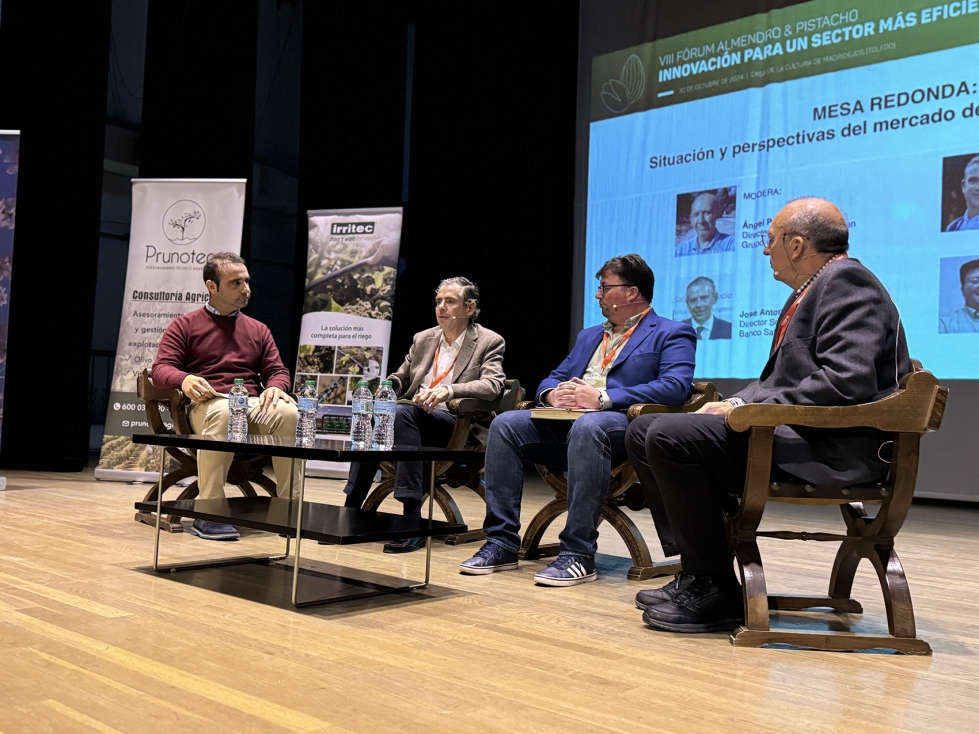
[(386, 382), (310, 383), (239, 381)]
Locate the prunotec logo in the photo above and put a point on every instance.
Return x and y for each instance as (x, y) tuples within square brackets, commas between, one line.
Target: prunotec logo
[(352, 228), (618, 94), (184, 222)]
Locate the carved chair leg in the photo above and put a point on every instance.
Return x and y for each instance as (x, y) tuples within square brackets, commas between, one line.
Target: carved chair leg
[(848, 558), (380, 493), (530, 547), (897, 595), (642, 562), (753, 585)]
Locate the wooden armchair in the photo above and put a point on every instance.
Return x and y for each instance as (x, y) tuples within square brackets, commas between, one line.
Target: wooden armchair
[(244, 472), (622, 492), (469, 413), (911, 411)]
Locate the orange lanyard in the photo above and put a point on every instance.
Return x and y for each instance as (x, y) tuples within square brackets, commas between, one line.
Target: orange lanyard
[(783, 323), (608, 357), (435, 365)]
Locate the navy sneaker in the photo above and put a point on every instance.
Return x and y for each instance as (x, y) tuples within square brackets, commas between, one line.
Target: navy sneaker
[(703, 605), (651, 597), (213, 530), (491, 557), (568, 570)]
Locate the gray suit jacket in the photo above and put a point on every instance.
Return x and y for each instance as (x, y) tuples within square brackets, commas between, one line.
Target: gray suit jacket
[(843, 346), (478, 372)]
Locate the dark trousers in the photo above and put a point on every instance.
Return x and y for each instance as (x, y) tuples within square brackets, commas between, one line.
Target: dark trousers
[(691, 465), (412, 427)]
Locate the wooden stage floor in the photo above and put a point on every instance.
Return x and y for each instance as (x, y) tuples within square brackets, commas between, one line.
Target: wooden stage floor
[(91, 640)]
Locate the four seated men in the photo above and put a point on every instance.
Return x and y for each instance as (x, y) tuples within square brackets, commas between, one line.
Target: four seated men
[(838, 341)]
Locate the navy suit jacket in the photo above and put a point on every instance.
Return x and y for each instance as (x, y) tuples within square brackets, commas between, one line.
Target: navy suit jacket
[(655, 365), (721, 329)]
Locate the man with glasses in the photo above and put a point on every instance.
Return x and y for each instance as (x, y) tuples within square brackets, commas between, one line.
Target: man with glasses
[(456, 359), (636, 356), (838, 341)]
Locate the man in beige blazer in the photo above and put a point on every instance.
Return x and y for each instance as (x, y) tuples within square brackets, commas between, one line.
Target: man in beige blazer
[(456, 359)]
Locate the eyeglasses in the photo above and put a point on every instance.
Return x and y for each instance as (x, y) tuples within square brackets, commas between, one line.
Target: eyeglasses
[(603, 289)]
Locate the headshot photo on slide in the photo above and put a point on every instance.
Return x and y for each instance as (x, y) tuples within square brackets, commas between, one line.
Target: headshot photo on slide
[(705, 221), (705, 306), (960, 193), (958, 306)]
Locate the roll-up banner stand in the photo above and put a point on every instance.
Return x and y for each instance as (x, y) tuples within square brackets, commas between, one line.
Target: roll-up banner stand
[(9, 157), (176, 225), (346, 326)]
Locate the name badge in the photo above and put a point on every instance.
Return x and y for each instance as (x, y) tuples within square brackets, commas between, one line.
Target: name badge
[(598, 382)]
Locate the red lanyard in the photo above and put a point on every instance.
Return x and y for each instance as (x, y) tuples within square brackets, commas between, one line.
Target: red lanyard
[(783, 323), (435, 364), (606, 356)]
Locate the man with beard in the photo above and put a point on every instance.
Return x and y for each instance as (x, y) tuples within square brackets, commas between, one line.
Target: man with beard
[(634, 357)]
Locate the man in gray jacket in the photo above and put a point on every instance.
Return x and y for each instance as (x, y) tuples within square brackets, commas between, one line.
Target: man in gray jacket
[(838, 341), (456, 359)]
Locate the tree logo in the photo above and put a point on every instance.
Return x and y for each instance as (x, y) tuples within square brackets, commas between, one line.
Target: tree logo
[(618, 94), (184, 222)]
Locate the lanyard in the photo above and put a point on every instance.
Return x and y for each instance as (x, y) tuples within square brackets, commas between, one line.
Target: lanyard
[(783, 323), (607, 356), (435, 364)]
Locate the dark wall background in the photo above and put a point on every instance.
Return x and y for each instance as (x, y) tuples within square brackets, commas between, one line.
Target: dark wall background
[(54, 90)]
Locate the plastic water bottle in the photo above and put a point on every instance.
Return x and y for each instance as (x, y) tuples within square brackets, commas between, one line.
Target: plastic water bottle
[(306, 427), (361, 420), (384, 407), (238, 412)]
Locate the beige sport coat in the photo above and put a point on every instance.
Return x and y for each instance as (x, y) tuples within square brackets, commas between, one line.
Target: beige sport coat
[(478, 372)]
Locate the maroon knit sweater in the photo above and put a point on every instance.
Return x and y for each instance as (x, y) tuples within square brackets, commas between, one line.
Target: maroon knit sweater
[(219, 349)]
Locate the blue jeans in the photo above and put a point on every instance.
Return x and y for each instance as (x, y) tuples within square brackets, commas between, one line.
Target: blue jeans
[(588, 448), (412, 427)]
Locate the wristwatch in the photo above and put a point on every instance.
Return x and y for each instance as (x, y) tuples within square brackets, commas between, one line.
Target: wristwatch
[(604, 400)]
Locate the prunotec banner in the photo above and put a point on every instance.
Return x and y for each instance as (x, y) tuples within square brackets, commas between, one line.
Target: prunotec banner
[(176, 226), (9, 157), (346, 326)]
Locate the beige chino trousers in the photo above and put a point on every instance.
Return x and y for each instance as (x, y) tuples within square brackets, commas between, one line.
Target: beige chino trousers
[(210, 418)]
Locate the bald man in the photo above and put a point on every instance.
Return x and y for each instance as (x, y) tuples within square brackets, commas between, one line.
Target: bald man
[(704, 238), (838, 341)]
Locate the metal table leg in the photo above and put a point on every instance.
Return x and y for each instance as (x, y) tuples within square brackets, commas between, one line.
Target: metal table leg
[(299, 523)]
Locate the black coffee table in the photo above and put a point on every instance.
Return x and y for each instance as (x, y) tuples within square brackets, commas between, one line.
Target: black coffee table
[(329, 524)]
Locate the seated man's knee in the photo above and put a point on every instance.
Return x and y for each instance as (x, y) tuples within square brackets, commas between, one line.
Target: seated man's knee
[(215, 417), (504, 424), (665, 434), (406, 415), (285, 417), (585, 434)]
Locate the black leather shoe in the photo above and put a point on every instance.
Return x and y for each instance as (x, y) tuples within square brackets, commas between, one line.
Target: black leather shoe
[(701, 606), (651, 597), (404, 546)]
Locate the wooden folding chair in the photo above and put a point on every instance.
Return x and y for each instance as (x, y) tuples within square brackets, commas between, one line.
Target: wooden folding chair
[(914, 409), (622, 492), (244, 472), (469, 412)]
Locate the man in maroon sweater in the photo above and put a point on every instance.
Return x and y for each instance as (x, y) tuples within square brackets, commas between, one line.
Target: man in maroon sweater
[(202, 353)]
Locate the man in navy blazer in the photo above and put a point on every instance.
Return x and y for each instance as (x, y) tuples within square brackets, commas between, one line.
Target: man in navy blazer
[(634, 357)]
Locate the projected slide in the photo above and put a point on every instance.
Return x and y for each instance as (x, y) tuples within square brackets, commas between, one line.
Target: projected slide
[(696, 141)]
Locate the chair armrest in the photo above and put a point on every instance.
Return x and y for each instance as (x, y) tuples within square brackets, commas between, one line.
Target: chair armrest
[(916, 407), (512, 392), (148, 391), (700, 394), (526, 405)]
